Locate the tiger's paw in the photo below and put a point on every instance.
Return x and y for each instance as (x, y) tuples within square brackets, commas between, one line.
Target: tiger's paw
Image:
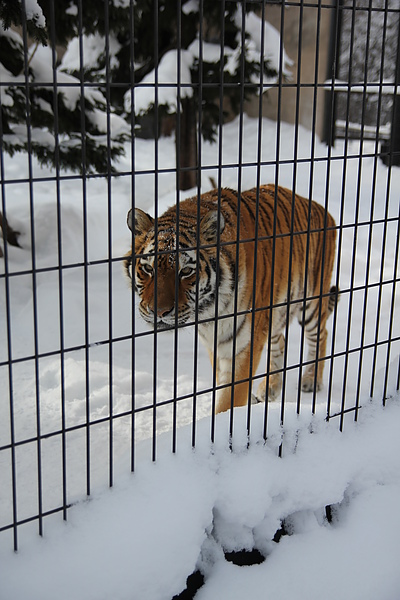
[(307, 384), (260, 399), (274, 388)]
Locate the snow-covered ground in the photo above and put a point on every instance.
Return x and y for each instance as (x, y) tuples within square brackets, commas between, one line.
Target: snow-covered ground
[(142, 538)]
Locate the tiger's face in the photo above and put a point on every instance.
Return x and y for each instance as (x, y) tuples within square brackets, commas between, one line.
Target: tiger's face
[(174, 282)]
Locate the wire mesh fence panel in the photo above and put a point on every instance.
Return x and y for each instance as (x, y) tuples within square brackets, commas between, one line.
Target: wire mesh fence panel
[(166, 199)]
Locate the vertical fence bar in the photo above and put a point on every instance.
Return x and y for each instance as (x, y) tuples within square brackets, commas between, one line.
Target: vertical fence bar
[(156, 182), (60, 261), (198, 246), (219, 184), (256, 216), (345, 156), (313, 144), (110, 251), (274, 227), (85, 246), (278, 151), (334, 69), (358, 191), (294, 180), (33, 272), (13, 465), (133, 196), (239, 208), (177, 250)]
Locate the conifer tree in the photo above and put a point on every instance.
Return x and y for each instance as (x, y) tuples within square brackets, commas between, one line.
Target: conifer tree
[(74, 108), (44, 109), (190, 74)]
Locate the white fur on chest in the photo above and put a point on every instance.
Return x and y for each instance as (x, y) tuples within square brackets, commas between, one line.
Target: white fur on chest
[(232, 331)]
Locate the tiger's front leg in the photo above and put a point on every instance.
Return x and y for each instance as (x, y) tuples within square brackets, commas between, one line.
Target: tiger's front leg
[(275, 368), (242, 389)]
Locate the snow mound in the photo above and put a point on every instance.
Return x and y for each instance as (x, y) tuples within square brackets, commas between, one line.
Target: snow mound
[(143, 538)]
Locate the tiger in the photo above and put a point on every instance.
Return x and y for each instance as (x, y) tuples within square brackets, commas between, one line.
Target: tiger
[(229, 262)]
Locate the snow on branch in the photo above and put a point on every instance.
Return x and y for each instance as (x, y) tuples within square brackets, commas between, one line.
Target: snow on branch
[(173, 71), (28, 12), (93, 52), (34, 13), (270, 39), (177, 69)]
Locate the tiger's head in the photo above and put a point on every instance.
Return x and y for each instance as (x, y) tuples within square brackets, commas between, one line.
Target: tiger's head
[(175, 282)]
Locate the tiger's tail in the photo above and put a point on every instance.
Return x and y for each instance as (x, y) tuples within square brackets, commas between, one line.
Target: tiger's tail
[(333, 298)]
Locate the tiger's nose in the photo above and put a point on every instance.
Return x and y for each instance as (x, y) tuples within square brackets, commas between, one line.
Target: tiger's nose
[(164, 312)]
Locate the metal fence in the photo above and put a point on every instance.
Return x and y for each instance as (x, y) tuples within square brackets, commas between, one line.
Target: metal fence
[(84, 381)]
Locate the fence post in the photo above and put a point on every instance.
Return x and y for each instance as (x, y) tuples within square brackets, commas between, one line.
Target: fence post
[(390, 150), (328, 134)]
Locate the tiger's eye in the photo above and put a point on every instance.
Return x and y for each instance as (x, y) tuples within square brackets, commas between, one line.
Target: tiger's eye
[(186, 271), (148, 269)]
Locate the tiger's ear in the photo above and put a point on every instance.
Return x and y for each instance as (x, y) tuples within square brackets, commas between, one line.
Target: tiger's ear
[(209, 225), (142, 222)]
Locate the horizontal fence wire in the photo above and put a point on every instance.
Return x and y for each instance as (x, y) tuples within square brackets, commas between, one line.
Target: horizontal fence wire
[(87, 388)]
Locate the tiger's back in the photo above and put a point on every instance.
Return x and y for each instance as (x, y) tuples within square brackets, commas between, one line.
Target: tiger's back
[(225, 257)]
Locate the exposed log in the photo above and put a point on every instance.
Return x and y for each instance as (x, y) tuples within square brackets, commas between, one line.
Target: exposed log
[(186, 142)]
